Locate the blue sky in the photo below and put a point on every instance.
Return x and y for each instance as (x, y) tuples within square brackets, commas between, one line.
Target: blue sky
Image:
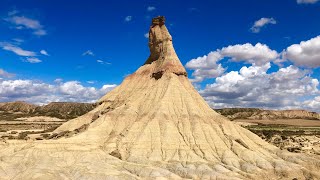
[(64, 48)]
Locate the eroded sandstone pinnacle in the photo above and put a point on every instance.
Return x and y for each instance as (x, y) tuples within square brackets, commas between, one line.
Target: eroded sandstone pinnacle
[(161, 49), (158, 38)]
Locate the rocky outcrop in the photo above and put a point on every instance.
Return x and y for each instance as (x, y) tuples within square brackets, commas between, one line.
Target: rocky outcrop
[(64, 110), (297, 114), (18, 106), (254, 113)]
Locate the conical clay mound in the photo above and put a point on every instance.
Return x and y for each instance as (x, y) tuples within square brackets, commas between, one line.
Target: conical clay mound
[(155, 124)]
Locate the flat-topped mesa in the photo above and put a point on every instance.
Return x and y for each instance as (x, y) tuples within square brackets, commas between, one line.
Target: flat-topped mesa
[(162, 54)]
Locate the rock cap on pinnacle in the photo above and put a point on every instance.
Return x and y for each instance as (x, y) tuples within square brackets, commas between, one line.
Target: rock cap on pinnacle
[(160, 20)]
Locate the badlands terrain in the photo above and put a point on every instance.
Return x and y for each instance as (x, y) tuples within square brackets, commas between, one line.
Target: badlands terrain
[(21, 120), (293, 130), (154, 125)]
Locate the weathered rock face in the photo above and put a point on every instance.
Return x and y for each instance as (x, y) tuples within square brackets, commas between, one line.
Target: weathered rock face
[(155, 124), (162, 51)]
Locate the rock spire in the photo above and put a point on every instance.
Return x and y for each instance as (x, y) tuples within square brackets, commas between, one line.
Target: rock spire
[(162, 53)]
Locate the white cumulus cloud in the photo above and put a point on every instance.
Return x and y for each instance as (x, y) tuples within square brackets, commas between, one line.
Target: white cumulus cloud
[(208, 66), (261, 23), (307, 53), (41, 93), (44, 52), (259, 85), (258, 54), (312, 104), (58, 80), (254, 87)]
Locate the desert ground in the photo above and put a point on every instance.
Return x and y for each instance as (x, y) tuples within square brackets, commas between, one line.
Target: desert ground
[(288, 122), (294, 135)]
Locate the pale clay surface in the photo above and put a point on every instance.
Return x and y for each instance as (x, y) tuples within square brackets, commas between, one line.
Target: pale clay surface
[(160, 129)]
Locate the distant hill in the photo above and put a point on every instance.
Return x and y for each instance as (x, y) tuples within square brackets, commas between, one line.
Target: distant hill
[(61, 110), (70, 110), (255, 113), (18, 106), (64, 110)]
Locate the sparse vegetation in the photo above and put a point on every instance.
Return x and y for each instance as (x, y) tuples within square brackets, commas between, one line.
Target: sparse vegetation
[(292, 138), (23, 135), (261, 114), (13, 116), (62, 110)]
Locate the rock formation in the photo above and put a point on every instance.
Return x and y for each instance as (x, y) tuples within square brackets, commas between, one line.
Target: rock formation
[(18, 106), (154, 125), (255, 114), (62, 110), (162, 52)]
